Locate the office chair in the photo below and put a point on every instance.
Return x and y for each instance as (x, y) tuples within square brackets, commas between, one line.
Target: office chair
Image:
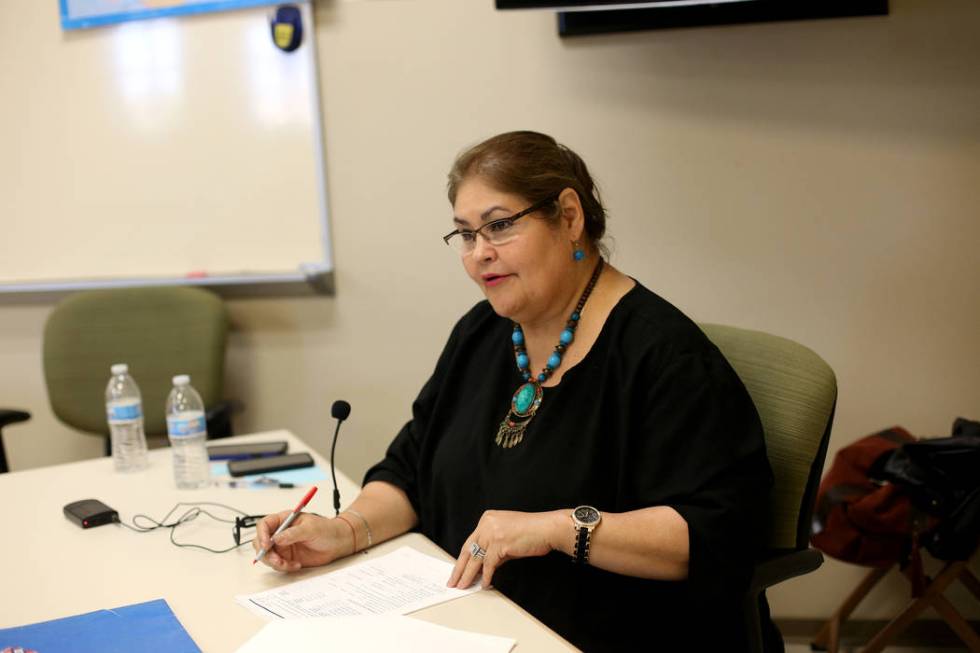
[(795, 393), (158, 331)]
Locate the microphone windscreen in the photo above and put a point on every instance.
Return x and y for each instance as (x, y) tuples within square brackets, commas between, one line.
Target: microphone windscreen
[(340, 410)]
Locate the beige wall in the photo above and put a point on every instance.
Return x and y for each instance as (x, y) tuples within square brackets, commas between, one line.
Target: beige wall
[(819, 180)]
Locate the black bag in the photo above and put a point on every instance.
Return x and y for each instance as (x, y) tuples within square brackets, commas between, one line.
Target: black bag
[(942, 478)]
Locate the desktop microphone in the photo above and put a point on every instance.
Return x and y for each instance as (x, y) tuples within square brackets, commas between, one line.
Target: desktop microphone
[(339, 411)]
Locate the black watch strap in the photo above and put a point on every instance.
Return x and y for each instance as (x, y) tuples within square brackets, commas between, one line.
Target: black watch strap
[(582, 545)]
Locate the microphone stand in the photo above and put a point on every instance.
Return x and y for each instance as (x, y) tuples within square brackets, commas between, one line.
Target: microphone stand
[(333, 472)]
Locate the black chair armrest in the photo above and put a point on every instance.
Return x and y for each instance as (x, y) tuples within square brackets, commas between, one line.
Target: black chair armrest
[(7, 417), (218, 418), (783, 565), (775, 567), (12, 416)]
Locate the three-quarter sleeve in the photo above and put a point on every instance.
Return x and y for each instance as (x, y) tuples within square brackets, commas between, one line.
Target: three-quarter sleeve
[(700, 450)]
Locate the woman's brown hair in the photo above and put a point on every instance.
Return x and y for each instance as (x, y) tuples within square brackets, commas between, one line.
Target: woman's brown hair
[(534, 166)]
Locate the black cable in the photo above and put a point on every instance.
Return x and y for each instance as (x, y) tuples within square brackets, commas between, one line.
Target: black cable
[(190, 515)]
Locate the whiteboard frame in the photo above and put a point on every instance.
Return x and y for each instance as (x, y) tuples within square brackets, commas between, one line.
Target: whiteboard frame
[(101, 20), (315, 281)]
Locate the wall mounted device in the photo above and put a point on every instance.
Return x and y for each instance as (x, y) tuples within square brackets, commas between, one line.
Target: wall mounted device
[(287, 27)]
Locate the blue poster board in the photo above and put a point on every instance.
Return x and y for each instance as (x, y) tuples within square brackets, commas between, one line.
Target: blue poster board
[(149, 627), (76, 14)]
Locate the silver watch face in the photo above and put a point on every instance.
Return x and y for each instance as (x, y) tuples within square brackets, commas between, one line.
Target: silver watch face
[(587, 515)]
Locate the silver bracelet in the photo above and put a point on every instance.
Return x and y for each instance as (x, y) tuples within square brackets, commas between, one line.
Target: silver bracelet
[(367, 527)]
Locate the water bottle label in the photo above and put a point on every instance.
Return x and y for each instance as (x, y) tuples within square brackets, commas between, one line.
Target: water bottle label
[(124, 412), (185, 427)]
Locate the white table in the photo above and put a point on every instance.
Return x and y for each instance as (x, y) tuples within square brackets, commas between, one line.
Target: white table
[(52, 568)]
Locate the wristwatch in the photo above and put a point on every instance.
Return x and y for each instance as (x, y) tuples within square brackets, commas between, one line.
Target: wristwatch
[(585, 518)]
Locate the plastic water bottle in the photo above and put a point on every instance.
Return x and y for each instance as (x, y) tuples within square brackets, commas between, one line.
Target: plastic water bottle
[(124, 412), (187, 429)]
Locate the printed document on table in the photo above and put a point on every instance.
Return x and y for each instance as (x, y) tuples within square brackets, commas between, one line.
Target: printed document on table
[(400, 582)]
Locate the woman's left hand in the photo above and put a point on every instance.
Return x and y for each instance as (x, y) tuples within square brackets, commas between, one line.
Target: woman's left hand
[(505, 535)]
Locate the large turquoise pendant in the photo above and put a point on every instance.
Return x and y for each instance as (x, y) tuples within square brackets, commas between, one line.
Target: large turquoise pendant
[(523, 405)]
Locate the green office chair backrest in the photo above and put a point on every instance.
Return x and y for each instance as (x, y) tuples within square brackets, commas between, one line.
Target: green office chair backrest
[(795, 392), (158, 332)]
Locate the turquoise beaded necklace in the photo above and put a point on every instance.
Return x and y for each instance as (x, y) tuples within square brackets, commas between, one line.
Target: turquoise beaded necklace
[(527, 398)]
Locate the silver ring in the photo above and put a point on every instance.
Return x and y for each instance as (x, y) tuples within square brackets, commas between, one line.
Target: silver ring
[(478, 551)]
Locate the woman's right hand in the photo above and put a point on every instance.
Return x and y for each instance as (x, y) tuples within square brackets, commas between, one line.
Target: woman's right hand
[(310, 541)]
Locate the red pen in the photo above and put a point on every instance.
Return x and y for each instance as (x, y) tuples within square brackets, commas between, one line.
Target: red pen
[(289, 520)]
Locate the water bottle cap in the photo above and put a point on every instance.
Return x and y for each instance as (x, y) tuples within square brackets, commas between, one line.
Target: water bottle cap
[(182, 379), (119, 368)]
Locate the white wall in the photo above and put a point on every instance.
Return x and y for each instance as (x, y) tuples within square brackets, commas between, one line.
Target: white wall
[(819, 180)]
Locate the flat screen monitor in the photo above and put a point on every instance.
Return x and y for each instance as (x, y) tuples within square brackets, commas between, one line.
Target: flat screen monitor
[(583, 17), (611, 5)]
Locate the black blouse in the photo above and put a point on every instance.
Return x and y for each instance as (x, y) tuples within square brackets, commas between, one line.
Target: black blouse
[(653, 415)]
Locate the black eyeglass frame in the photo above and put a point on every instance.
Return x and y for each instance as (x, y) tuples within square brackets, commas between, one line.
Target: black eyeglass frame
[(537, 206)]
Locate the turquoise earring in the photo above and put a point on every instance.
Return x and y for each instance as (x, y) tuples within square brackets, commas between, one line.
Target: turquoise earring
[(578, 254)]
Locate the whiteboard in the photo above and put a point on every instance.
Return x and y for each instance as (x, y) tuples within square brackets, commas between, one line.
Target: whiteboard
[(183, 149)]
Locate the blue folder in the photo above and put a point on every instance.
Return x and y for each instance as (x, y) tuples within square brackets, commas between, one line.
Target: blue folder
[(149, 626)]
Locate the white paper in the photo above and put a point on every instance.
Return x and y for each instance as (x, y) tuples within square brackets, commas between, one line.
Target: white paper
[(368, 635), (400, 582)]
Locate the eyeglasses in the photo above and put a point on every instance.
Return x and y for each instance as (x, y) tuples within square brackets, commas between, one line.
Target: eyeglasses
[(495, 232), (241, 523)]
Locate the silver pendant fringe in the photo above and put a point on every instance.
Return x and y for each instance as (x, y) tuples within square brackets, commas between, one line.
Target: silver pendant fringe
[(510, 432)]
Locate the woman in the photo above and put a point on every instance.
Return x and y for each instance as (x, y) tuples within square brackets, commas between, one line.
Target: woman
[(635, 451)]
